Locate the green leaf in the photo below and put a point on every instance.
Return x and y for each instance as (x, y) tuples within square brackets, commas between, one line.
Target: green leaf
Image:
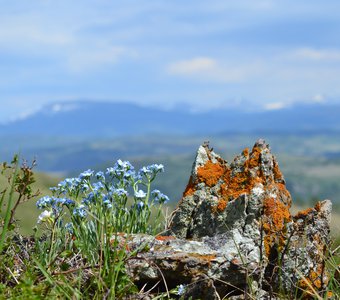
[(66, 253), (64, 266)]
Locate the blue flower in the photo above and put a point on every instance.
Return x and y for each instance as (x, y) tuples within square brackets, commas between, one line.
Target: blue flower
[(64, 201), (119, 192), (159, 197), (140, 194), (151, 170), (120, 169), (156, 193), (69, 227), (84, 187), (98, 186), (129, 174), (110, 171), (107, 201), (157, 168), (140, 205), (86, 174), (100, 175), (44, 202), (80, 211), (181, 290), (69, 185), (89, 198), (54, 189), (138, 177), (124, 165), (145, 171)]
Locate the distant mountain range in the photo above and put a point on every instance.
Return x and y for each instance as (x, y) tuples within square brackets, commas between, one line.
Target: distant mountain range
[(93, 119)]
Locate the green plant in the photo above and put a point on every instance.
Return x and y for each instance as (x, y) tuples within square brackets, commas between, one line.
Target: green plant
[(92, 216), (20, 180)]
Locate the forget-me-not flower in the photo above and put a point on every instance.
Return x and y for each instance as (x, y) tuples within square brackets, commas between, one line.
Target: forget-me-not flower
[(140, 194)]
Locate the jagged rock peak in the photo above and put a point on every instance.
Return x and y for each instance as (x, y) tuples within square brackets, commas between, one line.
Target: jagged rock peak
[(216, 188), (233, 223)]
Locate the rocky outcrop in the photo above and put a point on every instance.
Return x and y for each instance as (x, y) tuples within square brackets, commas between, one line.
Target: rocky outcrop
[(233, 234)]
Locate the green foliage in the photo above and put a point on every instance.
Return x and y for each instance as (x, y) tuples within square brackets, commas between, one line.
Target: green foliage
[(18, 191), (79, 249), (87, 258)]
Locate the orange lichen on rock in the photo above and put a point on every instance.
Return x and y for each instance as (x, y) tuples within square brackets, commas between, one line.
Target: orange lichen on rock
[(205, 257), (221, 205), (276, 215), (303, 213), (210, 173), (245, 152), (164, 238), (277, 172), (282, 188), (312, 282), (238, 184), (243, 182), (317, 206), (190, 189), (254, 159)]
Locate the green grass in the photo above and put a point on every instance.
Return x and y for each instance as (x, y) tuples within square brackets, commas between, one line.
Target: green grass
[(90, 261), (27, 212)]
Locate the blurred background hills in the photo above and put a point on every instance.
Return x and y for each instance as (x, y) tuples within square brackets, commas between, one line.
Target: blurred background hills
[(104, 119), (67, 138)]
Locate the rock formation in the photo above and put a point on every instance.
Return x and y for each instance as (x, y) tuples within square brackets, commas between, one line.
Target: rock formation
[(232, 234)]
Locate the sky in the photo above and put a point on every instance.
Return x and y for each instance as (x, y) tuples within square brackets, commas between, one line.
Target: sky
[(198, 54)]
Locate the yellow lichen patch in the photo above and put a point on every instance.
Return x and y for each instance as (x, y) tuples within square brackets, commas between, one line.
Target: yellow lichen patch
[(190, 189), (276, 215), (210, 173)]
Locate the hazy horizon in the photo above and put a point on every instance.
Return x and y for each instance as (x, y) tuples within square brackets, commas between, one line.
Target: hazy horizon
[(158, 53)]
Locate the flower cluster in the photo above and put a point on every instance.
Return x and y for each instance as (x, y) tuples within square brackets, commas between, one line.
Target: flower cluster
[(94, 195), (54, 203), (121, 169), (159, 197), (151, 171)]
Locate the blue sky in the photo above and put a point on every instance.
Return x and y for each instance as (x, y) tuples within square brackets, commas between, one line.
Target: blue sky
[(206, 54)]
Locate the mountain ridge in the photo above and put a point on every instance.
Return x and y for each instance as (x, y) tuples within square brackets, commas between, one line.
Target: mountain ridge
[(106, 119)]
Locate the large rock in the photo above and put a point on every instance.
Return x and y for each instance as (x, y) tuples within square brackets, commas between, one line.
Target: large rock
[(233, 234)]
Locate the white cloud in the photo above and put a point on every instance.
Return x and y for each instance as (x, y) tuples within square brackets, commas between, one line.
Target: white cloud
[(70, 41), (317, 54), (193, 66), (22, 115), (319, 98), (276, 105), (30, 35), (63, 107), (212, 70), (84, 59)]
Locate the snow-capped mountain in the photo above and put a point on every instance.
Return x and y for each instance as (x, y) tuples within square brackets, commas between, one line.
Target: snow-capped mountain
[(102, 119)]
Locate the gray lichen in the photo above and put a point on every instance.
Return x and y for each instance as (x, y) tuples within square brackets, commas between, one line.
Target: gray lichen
[(233, 229)]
